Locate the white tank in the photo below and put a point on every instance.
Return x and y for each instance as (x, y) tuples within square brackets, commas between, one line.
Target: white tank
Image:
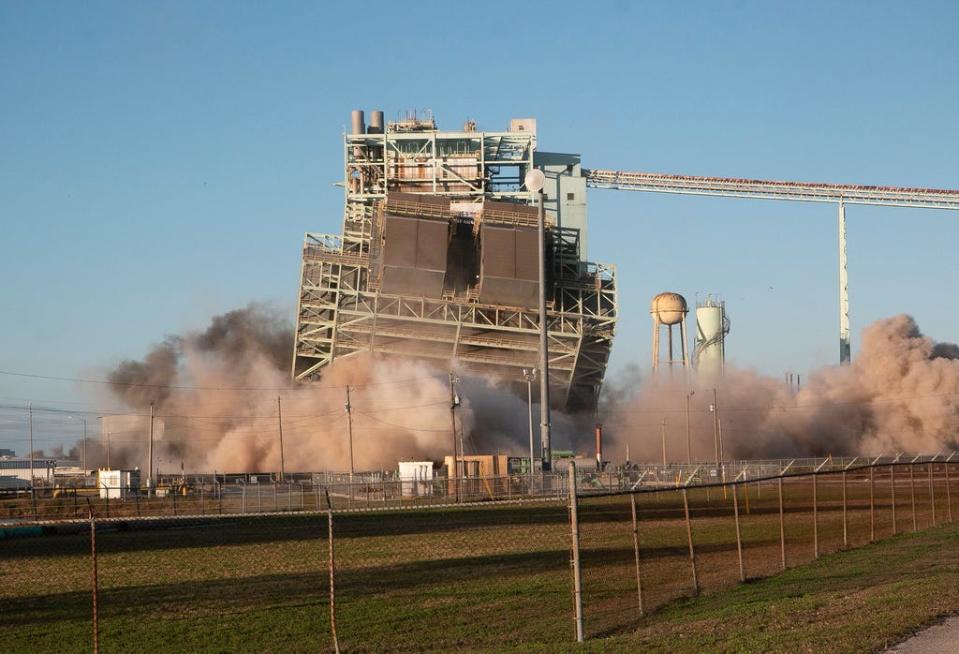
[(711, 329)]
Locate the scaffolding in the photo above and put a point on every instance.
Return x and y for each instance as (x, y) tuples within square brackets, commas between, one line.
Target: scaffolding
[(467, 179)]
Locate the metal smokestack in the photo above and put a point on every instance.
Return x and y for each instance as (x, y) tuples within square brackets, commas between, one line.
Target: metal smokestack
[(599, 446), (356, 122), (376, 123)]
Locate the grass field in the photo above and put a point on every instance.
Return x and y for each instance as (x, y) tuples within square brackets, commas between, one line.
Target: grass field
[(494, 578)]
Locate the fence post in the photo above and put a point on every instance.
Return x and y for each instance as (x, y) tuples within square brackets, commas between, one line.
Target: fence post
[(782, 524), (845, 522), (243, 501), (577, 572), (332, 567), (892, 483), (739, 540), (872, 504), (639, 581), (815, 514), (689, 540), (94, 581), (932, 494), (912, 493)]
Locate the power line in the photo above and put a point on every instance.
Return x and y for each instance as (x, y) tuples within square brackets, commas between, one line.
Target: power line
[(179, 387), (56, 411), (393, 424)]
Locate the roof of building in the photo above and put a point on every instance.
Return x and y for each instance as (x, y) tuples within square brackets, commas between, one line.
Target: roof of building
[(19, 464)]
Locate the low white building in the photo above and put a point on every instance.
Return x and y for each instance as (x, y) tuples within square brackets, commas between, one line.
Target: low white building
[(115, 484), (416, 478), (42, 475)]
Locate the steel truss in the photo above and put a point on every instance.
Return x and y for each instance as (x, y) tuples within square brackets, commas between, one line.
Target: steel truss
[(773, 190), (341, 312)]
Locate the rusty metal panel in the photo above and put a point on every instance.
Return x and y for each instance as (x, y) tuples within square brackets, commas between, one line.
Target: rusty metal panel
[(414, 256), (527, 255), (509, 272), (400, 246)]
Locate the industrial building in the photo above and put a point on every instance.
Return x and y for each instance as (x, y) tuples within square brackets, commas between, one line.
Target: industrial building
[(438, 259), (39, 471)]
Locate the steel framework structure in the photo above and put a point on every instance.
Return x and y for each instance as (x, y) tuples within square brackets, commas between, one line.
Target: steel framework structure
[(840, 194), (341, 310)]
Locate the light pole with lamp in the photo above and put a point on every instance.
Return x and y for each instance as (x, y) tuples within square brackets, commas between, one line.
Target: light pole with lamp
[(535, 180)]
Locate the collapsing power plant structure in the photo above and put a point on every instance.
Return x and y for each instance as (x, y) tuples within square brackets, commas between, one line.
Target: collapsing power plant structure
[(438, 259), (438, 256)]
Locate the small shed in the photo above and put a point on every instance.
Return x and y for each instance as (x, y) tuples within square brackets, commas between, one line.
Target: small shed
[(116, 484), (416, 478)]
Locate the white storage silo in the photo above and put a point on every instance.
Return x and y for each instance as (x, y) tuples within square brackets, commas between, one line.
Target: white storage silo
[(711, 329)]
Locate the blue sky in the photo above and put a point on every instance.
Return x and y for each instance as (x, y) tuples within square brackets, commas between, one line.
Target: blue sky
[(159, 162)]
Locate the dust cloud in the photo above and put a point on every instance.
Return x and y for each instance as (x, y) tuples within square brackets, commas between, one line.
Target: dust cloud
[(900, 394), (214, 394)]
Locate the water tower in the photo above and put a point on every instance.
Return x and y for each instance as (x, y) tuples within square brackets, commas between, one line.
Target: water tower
[(668, 310)]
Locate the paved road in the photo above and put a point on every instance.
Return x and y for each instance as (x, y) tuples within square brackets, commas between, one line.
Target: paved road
[(938, 639)]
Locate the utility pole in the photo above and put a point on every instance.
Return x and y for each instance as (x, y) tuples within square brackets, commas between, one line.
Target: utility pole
[(108, 452), (150, 480), (30, 412), (349, 422), (722, 455), (689, 450), (663, 430), (279, 427), (714, 407), (83, 449), (530, 376), (454, 402)]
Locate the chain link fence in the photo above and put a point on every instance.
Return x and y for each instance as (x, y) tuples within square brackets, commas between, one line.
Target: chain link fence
[(492, 575), (245, 494), (645, 548)]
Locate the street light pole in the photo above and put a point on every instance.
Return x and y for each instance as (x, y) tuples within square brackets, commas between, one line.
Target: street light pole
[(689, 450), (83, 449), (535, 180), (530, 376)]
